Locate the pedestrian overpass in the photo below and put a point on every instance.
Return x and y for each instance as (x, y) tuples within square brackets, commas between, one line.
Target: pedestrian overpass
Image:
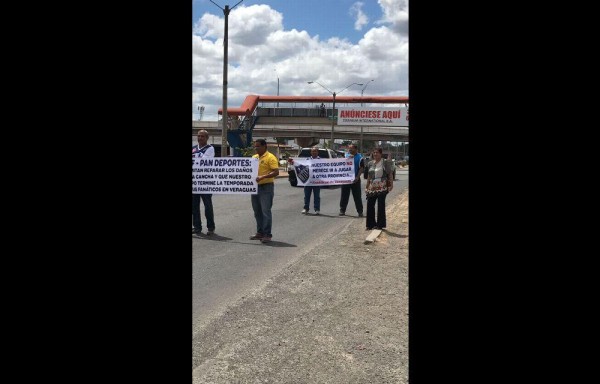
[(299, 117)]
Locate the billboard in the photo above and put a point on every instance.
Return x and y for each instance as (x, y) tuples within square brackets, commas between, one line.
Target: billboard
[(380, 116)]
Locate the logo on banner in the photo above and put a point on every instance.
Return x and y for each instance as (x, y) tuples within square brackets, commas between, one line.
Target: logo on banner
[(302, 171)]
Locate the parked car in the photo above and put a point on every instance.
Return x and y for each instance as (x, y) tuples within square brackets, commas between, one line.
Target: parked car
[(324, 153)]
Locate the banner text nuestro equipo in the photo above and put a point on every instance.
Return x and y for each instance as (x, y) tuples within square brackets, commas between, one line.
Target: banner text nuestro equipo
[(332, 164)]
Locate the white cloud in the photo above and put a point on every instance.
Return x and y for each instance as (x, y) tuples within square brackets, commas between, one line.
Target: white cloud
[(361, 18), (395, 12), (258, 44)]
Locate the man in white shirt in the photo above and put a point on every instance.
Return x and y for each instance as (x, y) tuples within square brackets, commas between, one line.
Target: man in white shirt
[(203, 149)]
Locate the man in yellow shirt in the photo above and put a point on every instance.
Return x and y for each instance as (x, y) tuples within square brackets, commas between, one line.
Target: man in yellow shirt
[(268, 169)]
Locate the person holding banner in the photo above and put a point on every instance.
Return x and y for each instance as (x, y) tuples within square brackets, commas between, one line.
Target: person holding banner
[(379, 183), (268, 169), (203, 149), (316, 190), (354, 187)]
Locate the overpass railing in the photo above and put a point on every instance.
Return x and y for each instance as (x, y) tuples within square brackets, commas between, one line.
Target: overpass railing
[(293, 112)]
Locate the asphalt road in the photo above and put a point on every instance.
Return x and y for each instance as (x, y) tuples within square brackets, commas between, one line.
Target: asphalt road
[(227, 266)]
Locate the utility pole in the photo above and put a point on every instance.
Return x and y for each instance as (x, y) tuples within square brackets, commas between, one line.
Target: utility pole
[(225, 41), (362, 104), (201, 109), (332, 121), (277, 74), (333, 106)]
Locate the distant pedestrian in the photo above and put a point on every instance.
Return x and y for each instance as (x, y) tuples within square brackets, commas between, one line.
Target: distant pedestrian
[(379, 184), (365, 164), (308, 189), (268, 169), (354, 187), (322, 109), (203, 149)]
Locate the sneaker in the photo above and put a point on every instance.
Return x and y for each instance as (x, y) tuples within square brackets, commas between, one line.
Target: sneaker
[(369, 229), (196, 231), (342, 213), (258, 236), (304, 211), (317, 213), (360, 214), (210, 232), (266, 239)]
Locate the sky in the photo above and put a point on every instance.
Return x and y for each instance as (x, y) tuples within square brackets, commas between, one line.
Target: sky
[(332, 42)]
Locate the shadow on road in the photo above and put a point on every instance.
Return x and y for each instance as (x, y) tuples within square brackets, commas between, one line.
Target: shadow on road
[(335, 215), (213, 237), (278, 244), (393, 234)]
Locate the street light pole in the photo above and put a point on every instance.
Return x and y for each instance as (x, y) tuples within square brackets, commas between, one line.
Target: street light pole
[(332, 119), (225, 40), (333, 105), (277, 85), (201, 109), (362, 104)]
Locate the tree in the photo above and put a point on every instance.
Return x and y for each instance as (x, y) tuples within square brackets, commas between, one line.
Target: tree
[(247, 151)]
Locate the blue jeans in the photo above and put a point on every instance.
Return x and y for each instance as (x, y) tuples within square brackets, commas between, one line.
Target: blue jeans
[(261, 204), (317, 193), (208, 211)]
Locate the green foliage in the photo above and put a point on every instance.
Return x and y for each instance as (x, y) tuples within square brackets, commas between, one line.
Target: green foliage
[(247, 151)]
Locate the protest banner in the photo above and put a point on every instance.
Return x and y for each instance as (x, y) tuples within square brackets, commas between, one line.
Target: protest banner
[(322, 172), (229, 175)]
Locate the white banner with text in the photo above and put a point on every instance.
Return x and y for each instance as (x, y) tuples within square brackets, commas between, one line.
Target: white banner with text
[(225, 175), (321, 172)]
